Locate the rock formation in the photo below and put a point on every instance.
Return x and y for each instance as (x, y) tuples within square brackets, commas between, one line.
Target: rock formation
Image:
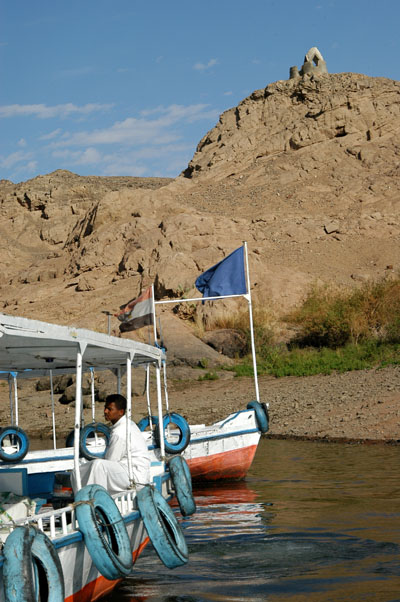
[(306, 170), (313, 64)]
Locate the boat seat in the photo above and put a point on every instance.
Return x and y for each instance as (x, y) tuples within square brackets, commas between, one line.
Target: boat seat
[(14, 480)]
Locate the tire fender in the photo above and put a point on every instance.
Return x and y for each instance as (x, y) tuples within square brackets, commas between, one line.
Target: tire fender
[(24, 547), (182, 482), (104, 532), (184, 433), (86, 432), (262, 416), (163, 529), (144, 423), (20, 434)]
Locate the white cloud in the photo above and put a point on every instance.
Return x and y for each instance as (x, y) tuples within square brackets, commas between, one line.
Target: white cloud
[(13, 159), (143, 161), (229, 93), (46, 112), (89, 156), (30, 166), (21, 142), (176, 113), (140, 131), (51, 135), (204, 66)]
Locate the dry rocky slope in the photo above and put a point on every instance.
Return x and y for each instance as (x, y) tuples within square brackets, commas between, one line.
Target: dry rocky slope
[(306, 170)]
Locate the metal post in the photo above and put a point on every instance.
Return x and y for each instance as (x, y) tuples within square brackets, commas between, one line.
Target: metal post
[(92, 394), (15, 397), (164, 363), (129, 415), (160, 416), (53, 414), (253, 348), (119, 380), (78, 404), (148, 396), (154, 314), (11, 399), (108, 314)]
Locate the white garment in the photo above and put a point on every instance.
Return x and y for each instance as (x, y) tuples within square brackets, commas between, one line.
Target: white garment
[(112, 472)]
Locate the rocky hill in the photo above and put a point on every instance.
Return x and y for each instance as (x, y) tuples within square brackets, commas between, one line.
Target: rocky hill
[(306, 170)]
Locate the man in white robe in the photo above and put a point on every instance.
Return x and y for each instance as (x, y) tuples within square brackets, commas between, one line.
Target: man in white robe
[(112, 471)]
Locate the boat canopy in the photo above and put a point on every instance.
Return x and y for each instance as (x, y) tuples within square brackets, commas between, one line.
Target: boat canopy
[(32, 348)]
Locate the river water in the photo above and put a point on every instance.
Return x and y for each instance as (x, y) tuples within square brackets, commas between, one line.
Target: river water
[(312, 521)]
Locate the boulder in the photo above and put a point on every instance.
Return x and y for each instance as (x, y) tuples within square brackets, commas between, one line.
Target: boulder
[(228, 341)]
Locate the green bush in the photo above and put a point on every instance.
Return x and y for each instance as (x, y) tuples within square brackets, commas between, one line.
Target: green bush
[(209, 376), (333, 318)]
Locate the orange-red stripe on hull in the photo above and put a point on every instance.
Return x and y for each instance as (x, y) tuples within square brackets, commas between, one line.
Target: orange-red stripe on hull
[(232, 464), (101, 586)]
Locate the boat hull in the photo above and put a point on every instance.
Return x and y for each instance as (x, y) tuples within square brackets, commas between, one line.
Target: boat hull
[(224, 450), (225, 465), (86, 583), (83, 582)]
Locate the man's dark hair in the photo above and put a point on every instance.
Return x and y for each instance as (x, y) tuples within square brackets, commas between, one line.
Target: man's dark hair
[(119, 400)]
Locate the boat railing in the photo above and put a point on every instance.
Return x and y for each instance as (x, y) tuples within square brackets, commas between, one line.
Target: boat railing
[(62, 521), (126, 501), (55, 523)]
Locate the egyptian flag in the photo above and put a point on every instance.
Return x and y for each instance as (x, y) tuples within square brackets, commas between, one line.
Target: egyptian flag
[(137, 312)]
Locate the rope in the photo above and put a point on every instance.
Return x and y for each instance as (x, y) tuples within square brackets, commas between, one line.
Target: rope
[(82, 502), (92, 504)]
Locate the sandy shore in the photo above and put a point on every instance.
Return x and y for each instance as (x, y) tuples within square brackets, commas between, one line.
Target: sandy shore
[(360, 406)]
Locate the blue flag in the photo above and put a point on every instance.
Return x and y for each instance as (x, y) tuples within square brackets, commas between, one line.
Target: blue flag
[(224, 278)]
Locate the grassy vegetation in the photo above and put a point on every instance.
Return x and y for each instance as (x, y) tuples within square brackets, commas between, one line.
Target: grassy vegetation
[(209, 376), (336, 330), (305, 362), (333, 318)]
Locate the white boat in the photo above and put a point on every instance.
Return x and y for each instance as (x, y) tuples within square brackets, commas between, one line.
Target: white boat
[(75, 550), (220, 451), (223, 450)]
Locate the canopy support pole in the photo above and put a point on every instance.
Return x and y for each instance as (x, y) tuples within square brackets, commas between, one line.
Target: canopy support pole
[(11, 399), (92, 394), (15, 397), (119, 380), (129, 359), (53, 414), (148, 396), (160, 415), (78, 411)]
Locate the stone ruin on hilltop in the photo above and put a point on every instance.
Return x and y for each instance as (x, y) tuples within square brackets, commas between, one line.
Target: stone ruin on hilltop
[(313, 63)]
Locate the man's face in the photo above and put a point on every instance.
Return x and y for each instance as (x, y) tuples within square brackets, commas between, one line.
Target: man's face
[(112, 413)]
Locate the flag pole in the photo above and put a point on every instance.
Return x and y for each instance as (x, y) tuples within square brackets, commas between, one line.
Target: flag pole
[(253, 347), (153, 305), (184, 300)]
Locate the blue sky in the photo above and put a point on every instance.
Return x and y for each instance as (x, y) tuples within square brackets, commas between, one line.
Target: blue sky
[(122, 87)]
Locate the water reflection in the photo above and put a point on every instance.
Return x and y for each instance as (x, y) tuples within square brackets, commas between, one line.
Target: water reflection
[(228, 510)]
